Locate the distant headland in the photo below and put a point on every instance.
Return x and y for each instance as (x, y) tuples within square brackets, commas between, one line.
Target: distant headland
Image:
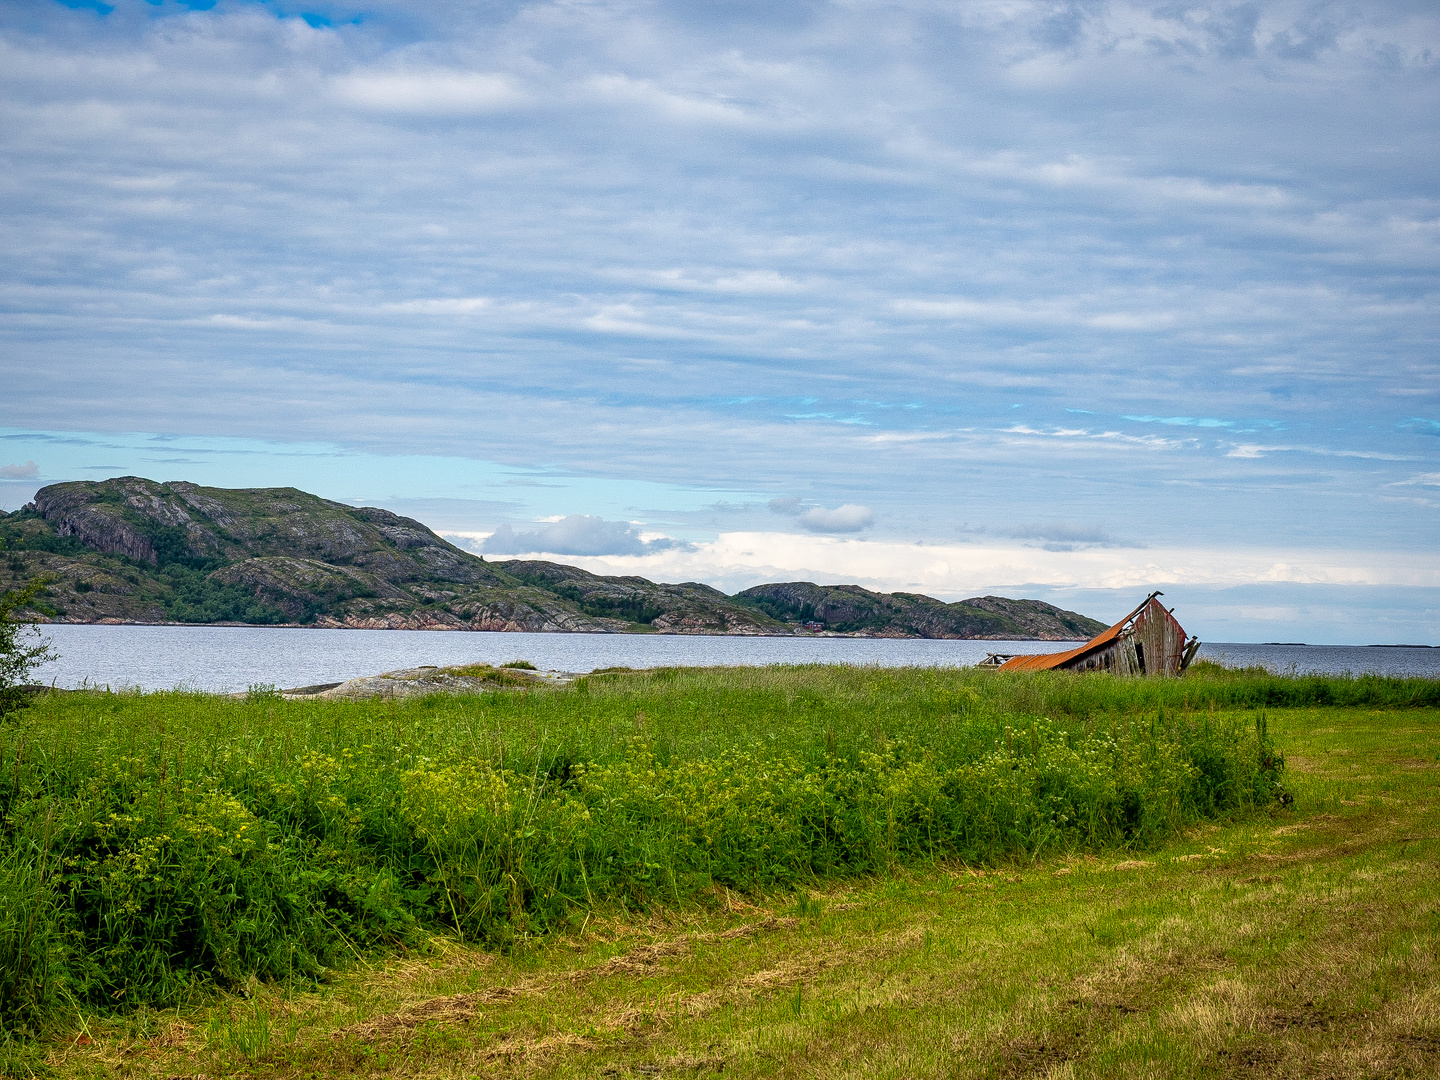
[(131, 550)]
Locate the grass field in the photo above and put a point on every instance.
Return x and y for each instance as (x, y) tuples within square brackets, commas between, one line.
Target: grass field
[(1196, 934)]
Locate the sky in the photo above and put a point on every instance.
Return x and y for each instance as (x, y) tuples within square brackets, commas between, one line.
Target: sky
[(1033, 298)]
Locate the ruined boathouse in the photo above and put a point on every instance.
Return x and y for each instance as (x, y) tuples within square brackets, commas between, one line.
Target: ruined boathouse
[(1148, 641)]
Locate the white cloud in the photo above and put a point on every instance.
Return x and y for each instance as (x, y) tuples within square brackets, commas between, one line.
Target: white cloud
[(741, 282), (577, 534), (1058, 312), (427, 92), (1256, 450), (1117, 179), (460, 305), (686, 108), (954, 571), (1064, 536), (1086, 438), (1423, 480), (27, 471), (849, 518)]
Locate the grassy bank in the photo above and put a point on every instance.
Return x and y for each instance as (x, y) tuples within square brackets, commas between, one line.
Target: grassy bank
[(1295, 941), (158, 846)]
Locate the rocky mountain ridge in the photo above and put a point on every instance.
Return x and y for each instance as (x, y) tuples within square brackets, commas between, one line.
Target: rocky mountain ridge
[(131, 550)]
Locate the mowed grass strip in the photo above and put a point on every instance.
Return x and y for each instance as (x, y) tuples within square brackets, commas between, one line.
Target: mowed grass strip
[(1297, 942)]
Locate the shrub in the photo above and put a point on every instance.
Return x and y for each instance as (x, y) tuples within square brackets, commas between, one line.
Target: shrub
[(22, 648)]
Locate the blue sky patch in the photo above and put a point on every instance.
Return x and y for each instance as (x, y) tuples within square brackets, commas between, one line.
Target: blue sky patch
[(1182, 421)]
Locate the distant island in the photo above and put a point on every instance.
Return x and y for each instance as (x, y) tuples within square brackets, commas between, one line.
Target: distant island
[(131, 550)]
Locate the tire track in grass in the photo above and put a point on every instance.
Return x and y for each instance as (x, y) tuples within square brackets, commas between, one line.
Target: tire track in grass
[(639, 961), (1152, 981)]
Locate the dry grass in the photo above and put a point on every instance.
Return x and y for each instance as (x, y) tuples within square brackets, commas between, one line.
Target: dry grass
[(1303, 944)]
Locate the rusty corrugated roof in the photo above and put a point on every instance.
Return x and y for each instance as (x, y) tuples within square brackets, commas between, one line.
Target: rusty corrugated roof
[(1049, 661)]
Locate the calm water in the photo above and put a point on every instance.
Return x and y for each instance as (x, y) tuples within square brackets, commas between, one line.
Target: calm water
[(231, 658), (1328, 659)]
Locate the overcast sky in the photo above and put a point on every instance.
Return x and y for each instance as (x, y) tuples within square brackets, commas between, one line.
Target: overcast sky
[(1066, 300)]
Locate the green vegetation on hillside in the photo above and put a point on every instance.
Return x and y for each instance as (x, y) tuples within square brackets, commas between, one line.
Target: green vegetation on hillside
[(153, 844), (631, 604)]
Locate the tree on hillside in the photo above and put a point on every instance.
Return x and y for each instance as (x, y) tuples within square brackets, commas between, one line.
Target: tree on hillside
[(21, 646)]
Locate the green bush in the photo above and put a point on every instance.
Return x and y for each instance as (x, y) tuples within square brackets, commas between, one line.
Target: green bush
[(22, 648)]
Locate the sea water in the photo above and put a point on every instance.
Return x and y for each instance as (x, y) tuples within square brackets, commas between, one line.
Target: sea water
[(227, 659)]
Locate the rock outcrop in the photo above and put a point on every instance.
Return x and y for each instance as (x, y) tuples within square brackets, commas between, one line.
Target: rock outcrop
[(426, 680), (849, 609)]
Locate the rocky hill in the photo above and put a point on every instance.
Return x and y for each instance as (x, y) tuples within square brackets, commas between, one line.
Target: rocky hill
[(133, 550), (850, 609)]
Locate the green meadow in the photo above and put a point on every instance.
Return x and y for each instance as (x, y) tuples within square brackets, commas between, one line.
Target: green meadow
[(760, 870)]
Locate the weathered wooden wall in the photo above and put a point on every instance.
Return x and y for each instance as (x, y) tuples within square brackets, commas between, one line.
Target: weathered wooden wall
[(1160, 639)]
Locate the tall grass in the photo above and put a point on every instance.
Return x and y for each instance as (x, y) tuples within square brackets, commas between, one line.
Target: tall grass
[(1208, 684), (151, 845)]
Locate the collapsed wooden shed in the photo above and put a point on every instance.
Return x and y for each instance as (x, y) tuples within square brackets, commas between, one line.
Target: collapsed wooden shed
[(1148, 641)]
